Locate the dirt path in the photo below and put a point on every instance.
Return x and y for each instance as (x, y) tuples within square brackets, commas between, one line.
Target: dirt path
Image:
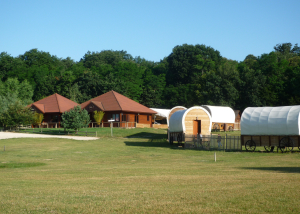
[(9, 135)]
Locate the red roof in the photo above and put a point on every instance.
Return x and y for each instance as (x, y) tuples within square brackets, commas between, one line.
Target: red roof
[(54, 104), (113, 101)]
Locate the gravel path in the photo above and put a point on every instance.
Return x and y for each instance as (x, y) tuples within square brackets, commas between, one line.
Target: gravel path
[(8, 135)]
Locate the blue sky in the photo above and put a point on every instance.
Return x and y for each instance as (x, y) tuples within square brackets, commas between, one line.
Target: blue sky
[(150, 29)]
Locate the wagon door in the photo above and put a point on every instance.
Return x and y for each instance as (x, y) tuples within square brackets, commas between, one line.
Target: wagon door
[(196, 127)]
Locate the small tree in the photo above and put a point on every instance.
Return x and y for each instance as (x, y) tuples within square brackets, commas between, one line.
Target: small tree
[(75, 119), (98, 116), (15, 115), (38, 118)]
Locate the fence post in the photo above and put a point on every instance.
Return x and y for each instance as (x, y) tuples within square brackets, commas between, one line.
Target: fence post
[(234, 142), (96, 133)]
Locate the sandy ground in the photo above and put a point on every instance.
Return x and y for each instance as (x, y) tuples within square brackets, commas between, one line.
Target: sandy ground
[(8, 135)]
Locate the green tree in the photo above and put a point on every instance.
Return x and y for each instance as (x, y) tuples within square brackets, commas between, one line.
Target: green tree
[(188, 61), (15, 115), (75, 119), (38, 118), (98, 116)]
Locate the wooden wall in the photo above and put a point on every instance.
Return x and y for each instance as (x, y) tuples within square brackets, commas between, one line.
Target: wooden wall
[(223, 126), (174, 110), (268, 140), (200, 115)]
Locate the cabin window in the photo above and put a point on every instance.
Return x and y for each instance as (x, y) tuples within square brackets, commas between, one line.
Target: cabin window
[(147, 117), (115, 117), (123, 117)]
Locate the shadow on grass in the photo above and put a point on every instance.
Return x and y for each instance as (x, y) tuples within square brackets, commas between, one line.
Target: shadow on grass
[(149, 143), (276, 169), (148, 135)]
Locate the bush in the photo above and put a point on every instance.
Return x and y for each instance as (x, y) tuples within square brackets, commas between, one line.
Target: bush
[(75, 119), (98, 116)]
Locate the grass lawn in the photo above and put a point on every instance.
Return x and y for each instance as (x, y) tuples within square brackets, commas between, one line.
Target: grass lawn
[(141, 173), (105, 132)]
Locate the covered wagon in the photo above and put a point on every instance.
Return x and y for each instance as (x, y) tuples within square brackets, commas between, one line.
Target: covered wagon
[(270, 127), (222, 117), (173, 110), (189, 122)]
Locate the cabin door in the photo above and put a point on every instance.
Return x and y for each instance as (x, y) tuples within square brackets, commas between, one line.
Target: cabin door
[(196, 127)]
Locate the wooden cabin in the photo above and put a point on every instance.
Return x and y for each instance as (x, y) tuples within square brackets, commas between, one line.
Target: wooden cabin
[(125, 112), (270, 127), (222, 117), (186, 123), (52, 108), (237, 122)]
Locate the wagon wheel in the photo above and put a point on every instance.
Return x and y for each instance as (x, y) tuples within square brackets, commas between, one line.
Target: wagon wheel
[(171, 140), (286, 143), (216, 127), (230, 128), (268, 148), (250, 145)]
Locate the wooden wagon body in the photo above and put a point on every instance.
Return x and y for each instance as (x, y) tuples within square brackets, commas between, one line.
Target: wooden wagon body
[(270, 127), (189, 122), (269, 142)]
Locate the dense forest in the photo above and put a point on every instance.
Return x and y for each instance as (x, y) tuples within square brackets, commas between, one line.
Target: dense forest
[(190, 75)]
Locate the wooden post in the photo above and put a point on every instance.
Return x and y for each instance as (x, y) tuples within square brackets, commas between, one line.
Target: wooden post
[(96, 133), (111, 129), (225, 142), (234, 142), (215, 157)]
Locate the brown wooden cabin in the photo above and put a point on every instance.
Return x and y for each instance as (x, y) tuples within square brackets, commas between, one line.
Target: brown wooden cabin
[(126, 112), (52, 108)]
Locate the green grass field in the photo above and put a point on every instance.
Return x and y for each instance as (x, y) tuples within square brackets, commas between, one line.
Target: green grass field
[(138, 172)]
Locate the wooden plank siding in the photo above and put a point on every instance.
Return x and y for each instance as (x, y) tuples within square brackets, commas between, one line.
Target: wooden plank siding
[(197, 114), (174, 110)]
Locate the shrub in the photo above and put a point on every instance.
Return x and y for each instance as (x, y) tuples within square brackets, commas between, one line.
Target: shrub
[(75, 118), (98, 116)]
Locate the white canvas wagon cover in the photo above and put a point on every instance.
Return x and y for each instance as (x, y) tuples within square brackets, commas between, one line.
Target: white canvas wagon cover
[(282, 120), (220, 114), (161, 112)]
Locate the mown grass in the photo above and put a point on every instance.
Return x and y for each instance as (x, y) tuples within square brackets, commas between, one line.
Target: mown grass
[(103, 132), (143, 175)]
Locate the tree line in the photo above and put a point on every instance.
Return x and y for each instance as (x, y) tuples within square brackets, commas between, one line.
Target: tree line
[(190, 75)]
